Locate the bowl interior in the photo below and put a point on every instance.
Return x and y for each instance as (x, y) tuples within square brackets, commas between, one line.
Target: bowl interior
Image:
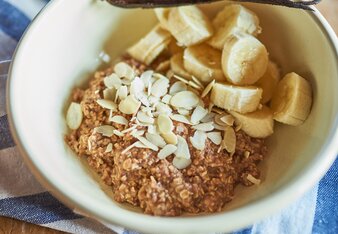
[(59, 53)]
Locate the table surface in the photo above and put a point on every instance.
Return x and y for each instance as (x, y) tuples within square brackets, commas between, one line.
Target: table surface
[(329, 8)]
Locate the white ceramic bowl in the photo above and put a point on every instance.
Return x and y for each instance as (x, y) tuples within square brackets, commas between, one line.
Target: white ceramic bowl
[(60, 50)]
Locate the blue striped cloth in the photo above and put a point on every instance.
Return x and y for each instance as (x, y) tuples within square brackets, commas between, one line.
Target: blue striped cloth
[(21, 197)]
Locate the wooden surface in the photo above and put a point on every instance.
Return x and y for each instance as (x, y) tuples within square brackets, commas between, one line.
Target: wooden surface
[(329, 9)]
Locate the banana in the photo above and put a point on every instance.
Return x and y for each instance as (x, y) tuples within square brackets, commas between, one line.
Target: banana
[(189, 25), (176, 65), (203, 62), (162, 15), (233, 17), (268, 82), (244, 59), (292, 100), (241, 99), (150, 46), (258, 124)]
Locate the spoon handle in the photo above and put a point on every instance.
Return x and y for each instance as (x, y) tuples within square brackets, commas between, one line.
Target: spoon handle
[(302, 4)]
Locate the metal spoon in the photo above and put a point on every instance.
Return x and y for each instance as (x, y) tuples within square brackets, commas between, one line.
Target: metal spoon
[(302, 4)]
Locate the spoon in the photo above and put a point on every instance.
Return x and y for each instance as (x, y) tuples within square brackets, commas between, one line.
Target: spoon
[(302, 4)]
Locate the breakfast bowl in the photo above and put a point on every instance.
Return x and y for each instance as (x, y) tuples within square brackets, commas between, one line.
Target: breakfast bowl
[(62, 48)]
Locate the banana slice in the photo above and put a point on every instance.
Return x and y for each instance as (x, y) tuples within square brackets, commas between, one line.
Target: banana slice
[(235, 98), (162, 15), (150, 46), (268, 82), (244, 59), (189, 25), (233, 17), (203, 62), (176, 65), (292, 100), (258, 124)]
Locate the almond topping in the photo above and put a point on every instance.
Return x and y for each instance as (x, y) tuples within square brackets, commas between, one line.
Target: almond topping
[(229, 140), (198, 114), (112, 81), (119, 119), (144, 118), (177, 87), (155, 139), (160, 87), (208, 89), (147, 143), (74, 116), (209, 126), (107, 104), (109, 94), (109, 148), (166, 151), (253, 179), (185, 99), (181, 163), (215, 137), (170, 138), (198, 140), (105, 130), (164, 123), (122, 69), (180, 118), (182, 148)]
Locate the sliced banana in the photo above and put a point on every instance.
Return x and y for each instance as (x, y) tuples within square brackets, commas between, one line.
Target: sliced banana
[(176, 65), (233, 17), (258, 124), (203, 62), (150, 46), (244, 59), (189, 25), (162, 15), (292, 100), (268, 82), (241, 99)]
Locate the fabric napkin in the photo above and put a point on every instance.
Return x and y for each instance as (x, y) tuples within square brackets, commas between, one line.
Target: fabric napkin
[(23, 198)]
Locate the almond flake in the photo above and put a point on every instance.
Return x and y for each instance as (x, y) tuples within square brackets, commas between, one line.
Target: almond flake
[(209, 117), (119, 119), (164, 123), (149, 88), (208, 89), (129, 129), (136, 86), (194, 85), (146, 77), (197, 81), (126, 82), (156, 139), (160, 87), (219, 127), (182, 148), (129, 105), (218, 120), (129, 147), (162, 108), (181, 79), (109, 148), (198, 114), (170, 138), (246, 154), (143, 98), (118, 133), (109, 94), (198, 140), (177, 87), (112, 81), (181, 163), (137, 133), (107, 104), (139, 144), (147, 143), (229, 140), (152, 129), (166, 99), (122, 92), (122, 69), (228, 119), (215, 137), (209, 126), (166, 151), (159, 76), (185, 99), (183, 111), (253, 179), (144, 118), (180, 118), (163, 66), (105, 130), (74, 116)]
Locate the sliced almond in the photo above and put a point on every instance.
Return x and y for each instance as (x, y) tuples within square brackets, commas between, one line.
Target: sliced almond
[(253, 179), (177, 87), (146, 77), (215, 137), (107, 104), (166, 151), (163, 66), (182, 148), (181, 79), (118, 133), (198, 140), (194, 85), (170, 138), (122, 69), (162, 108), (109, 148), (166, 99), (143, 98), (152, 129), (135, 144), (246, 154), (181, 163), (112, 81), (160, 87), (164, 123), (144, 118), (153, 100), (209, 126), (228, 119), (136, 86), (74, 116), (119, 119), (183, 111), (185, 99), (197, 81), (129, 105), (129, 129), (109, 94), (147, 143), (122, 92), (156, 139), (105, 130), (219, 127), (198, 114), (229, 140), (126, 82), (218, 120), (208, 89), (180, 118), (209, 117), (137, 133)]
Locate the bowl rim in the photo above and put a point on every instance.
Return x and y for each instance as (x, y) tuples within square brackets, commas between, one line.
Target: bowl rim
[(226, 221)]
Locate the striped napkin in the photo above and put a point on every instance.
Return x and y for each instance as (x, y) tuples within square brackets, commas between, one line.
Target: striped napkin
[(22, 197)]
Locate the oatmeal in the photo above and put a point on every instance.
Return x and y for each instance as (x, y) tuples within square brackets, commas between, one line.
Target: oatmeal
[(174, 130)]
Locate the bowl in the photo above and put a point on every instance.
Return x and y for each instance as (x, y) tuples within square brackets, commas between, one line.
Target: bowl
[(61, 49)]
